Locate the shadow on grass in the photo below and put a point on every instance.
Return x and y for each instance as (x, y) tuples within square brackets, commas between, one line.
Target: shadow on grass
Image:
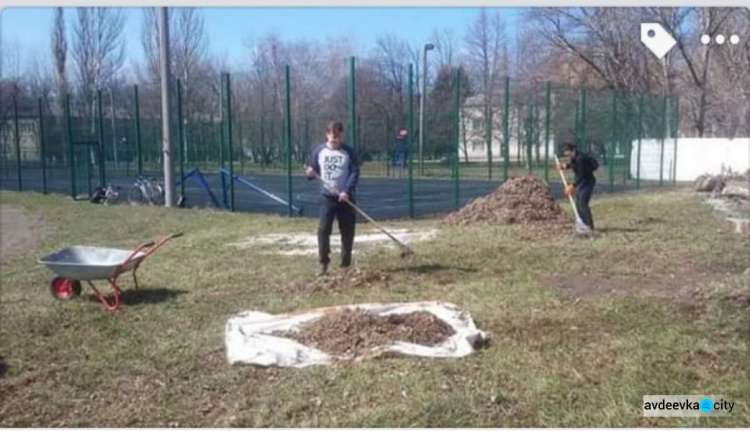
[(144, 296), (3, 367), (622, 230), (432, 268)]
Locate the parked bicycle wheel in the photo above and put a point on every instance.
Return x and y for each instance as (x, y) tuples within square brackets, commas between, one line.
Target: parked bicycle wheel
[(136, 196), (158, 195)]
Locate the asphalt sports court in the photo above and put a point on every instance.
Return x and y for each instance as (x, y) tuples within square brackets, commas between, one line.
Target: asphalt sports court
[(381, 198)]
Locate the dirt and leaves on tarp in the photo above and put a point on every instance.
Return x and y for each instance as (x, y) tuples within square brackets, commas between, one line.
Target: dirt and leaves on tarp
[(357, 331)]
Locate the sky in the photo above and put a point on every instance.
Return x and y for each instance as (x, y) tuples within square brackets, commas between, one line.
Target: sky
[(229, 28)]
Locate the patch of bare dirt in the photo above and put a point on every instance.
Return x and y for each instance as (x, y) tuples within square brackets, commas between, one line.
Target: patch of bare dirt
[(350, 278), (525, 201), (16, 232), (355, 332), (687, 288)]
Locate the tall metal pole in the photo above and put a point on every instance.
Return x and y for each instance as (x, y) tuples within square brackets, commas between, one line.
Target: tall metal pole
[(114, 130), (165, 110), (410, 117)]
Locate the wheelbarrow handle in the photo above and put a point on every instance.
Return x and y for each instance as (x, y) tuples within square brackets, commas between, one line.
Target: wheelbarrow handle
[(155, 245), (149, 247)]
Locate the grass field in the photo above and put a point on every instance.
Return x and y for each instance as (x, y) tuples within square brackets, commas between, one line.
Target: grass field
[(581, 329)]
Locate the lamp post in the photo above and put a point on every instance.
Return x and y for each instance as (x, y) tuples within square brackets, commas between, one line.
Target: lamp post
[(422, 93)]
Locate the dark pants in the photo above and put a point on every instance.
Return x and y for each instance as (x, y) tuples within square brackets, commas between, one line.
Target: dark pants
[(583, 197), (331, 208)]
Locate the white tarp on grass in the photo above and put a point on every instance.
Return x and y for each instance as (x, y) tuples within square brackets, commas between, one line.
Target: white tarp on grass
[(249, 340)]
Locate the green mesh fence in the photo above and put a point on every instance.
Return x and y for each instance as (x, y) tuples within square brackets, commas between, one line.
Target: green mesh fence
[(260, 127)]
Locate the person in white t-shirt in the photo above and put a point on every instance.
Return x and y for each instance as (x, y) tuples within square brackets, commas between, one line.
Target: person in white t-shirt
[(336, 164)]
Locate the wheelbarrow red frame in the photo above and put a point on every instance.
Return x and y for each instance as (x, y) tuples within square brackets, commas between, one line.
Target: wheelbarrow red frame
[(63, 288)]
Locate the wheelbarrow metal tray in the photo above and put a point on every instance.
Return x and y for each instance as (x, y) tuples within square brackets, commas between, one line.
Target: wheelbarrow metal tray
[(90, 263)]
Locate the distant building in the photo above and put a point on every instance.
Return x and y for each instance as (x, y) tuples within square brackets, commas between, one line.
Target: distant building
[(28, 138), (473, 122)]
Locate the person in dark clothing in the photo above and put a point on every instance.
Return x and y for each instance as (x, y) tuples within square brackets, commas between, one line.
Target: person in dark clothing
[(335, 163), (401, 153), (583, 165)]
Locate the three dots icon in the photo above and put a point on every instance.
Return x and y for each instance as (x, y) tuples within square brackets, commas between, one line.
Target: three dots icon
[(720, 39)]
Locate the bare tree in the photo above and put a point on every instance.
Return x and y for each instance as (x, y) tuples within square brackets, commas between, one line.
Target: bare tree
[(98, 49), (60, 54), (445, 48), (698, 58), (602, 38), (11, 66), (41, 83), (486, 44)]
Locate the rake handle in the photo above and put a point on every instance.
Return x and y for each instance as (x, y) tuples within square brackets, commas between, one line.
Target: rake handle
[(565, 184), (364, 214)]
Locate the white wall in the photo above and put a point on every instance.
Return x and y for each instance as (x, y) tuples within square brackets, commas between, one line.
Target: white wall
[(695, 156)]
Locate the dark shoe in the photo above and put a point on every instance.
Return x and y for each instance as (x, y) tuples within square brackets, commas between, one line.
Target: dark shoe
[(322, 270)]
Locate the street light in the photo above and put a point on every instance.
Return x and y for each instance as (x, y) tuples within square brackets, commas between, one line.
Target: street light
[(423, 91)]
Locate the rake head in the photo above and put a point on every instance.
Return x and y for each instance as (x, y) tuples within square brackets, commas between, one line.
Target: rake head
[(408, 256)]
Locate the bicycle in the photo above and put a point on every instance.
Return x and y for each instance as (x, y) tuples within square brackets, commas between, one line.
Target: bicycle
[(146, 191)]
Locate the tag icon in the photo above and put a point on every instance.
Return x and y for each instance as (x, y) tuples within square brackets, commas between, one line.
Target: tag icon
[(656, 39)]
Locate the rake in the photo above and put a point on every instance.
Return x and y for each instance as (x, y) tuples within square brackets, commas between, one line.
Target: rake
[(406, 252)]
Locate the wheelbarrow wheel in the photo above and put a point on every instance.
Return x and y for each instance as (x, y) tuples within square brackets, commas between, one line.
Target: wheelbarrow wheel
[(64, 289)]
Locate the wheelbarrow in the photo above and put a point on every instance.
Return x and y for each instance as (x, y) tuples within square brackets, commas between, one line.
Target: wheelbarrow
[(75, 264)]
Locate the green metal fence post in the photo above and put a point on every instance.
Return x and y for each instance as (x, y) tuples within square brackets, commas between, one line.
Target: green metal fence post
[(583, 120), (42, 148), (352, 104), (506, 128), (181, 138), (535, 111), (488, 137), (100, 124), (138, 148), (288, 135), (663, 138), (530, 139), (611, 150), (627, 139), (71, 154), (547, 103), (640, 137), (222, 137), (676, 135), (17, 138), (520, 145), (388, 152), (410, 113), (456, 135), (228, 133), (240, 137)]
